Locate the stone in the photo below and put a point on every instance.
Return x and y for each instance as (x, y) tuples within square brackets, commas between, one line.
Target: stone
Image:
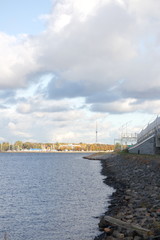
[(141, 209), (137, 198), (108, 230), (137, 238), (102, 223), (129, 216), (118, 235), (110, 238), (128, 191), (153, 214), (127, 198), (158, 212)]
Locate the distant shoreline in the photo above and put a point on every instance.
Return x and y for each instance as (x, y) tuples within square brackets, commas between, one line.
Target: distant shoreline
[(50, 152)]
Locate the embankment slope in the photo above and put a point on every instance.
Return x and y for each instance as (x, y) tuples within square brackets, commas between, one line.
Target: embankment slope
[(136, 200)]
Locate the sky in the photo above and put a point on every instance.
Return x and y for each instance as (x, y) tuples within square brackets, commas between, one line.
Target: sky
[(67, 66)]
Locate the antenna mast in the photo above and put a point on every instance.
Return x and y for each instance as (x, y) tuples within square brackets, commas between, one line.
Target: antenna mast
[(96, 132)]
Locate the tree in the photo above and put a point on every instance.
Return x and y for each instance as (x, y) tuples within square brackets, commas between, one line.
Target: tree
[(117, 147), (18, 145), (5, 146), (57, 146)]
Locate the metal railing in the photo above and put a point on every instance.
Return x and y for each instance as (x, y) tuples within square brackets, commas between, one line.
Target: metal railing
[(152, 128)]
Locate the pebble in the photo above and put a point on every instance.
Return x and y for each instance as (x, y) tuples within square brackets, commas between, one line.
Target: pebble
[(118, 235), (137, 197)]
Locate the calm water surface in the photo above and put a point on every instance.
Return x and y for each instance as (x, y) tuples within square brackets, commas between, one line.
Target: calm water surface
[(50, 196)]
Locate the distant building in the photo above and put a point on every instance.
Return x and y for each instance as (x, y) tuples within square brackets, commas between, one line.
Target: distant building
[(148, 140), (35, 149)]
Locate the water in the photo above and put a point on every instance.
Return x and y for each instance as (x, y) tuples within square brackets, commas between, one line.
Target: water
[(46, 196)]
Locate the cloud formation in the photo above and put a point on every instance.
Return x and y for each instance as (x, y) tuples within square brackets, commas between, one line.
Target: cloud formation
[(114, 47), (99, 56)]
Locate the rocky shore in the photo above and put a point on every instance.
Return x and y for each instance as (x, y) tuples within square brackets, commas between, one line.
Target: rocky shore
[(134, 211)]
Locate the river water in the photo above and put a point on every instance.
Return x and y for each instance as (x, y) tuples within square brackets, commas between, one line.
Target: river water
[(50, 196)]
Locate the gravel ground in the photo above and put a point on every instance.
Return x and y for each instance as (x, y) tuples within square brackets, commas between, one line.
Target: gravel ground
[(136, 200)]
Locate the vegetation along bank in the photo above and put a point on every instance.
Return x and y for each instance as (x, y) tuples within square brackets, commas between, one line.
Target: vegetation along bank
[(134, 211)]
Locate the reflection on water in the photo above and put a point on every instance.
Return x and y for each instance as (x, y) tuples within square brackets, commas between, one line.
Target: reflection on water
[(46, 196)]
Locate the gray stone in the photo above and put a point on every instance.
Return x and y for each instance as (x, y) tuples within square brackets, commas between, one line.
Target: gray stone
[(137, 238), (129, 216), (118, 235), (141, 209), (127, 198), (110, 238), (137, 198)]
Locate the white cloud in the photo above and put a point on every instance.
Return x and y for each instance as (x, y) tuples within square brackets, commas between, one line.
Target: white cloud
[(105, 46), (24, 135), (95, 55), (17, 61), (2, 139), (65, 11), (24, 108), (12, 125), (128, 106)]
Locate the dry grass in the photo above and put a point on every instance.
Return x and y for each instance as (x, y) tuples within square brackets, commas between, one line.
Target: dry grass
[(142, 158)]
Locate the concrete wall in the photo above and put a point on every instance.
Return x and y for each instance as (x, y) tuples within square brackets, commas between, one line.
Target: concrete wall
[(146, 147)]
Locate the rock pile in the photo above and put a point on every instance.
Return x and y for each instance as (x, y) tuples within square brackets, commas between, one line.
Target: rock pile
[(136, 200)]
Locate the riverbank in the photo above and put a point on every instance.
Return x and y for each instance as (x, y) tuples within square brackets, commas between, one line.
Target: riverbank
[(136, 201), (41, 151)]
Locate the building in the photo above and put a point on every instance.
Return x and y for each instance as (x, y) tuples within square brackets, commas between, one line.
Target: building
[(148, 140)]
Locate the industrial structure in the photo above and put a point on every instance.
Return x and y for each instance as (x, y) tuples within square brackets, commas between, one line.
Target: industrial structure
[(126, 139), (148, 140)]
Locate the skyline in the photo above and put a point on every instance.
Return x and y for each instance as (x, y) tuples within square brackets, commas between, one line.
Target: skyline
[(69, 65)]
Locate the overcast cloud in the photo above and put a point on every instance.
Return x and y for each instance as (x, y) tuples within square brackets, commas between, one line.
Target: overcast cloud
[(95, 59)]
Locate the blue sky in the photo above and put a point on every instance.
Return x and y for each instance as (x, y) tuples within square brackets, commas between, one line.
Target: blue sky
[(21, 16), (68, 64)]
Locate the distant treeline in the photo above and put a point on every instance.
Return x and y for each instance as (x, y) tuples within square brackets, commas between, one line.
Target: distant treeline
[(26, 146)]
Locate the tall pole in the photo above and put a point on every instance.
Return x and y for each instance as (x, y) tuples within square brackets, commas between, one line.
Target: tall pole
[(96, 132)]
